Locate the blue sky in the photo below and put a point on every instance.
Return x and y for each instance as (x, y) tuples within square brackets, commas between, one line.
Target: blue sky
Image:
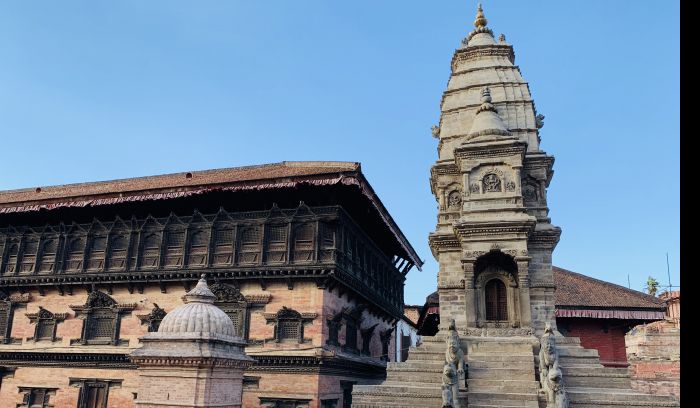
[(102, 90)]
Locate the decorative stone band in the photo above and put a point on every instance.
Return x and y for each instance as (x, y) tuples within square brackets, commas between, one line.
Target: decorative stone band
[(43, 359), (611, 314), (475, 52), (498, 332), (459, 285), (474, 152), (191, 362)]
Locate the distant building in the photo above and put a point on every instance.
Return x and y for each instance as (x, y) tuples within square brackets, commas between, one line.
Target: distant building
[(406, 333)]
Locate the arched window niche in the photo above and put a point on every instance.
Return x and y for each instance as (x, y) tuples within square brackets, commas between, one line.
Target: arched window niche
[(498, 295)]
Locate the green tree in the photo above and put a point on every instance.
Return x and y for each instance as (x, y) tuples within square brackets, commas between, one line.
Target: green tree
[(652, 286)]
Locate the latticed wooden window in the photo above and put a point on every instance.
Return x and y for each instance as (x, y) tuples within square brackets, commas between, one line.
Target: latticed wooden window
[(93, 393), (304, 242), (48, 254), (118, 244), (276, 243), (96, 255), (328, 236), (36, 397), (175, 238), (496, 300), (223, 245), (76, 247), (151, 250), (289, 330), (5, 321), (101, 325), (199, 246), (12, 253), (45, 329), (31, 246), (250, 245)]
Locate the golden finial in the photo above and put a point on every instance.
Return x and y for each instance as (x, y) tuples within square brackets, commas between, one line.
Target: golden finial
[(480, 21)]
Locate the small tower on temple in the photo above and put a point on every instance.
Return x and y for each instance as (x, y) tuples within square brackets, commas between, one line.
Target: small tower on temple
[(194, 360)]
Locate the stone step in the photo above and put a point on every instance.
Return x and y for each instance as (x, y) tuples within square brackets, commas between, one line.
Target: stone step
[(525, 365), (435, 365), (522, 357), (598, 382), (503, 399), (499, 348), (592, 369), (586, 395), (504, 373), (495, 386)]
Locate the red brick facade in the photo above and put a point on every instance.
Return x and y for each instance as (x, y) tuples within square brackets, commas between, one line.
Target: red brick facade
[(605, 335)]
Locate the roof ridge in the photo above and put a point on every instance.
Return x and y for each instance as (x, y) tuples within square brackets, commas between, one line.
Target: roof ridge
[(184, 172), (631, 291)]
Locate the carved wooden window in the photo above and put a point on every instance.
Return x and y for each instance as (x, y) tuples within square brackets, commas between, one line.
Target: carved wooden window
[(329, 403), (36, 397), (96, 254), (350, 335), (334, 325), (367, 340), (233, 303), (199, 247), (250, 245), (118, 248), (47, 253), (223, 245), (328, 242), (5, 320), (385, 338), (154, 318), (101, 316), (270, 402), (289, 324), (174, 247), (45, 324), (31, 246), (76, 248), (496, 300), (151, 250), (276, 244), (304, 243), (94, 393), (12, 254)]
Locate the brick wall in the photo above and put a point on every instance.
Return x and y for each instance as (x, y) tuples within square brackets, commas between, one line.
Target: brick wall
[(654, 352), (605, 335)]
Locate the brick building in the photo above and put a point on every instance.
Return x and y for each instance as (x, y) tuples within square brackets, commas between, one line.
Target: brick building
[(302, 256), (598, 312)]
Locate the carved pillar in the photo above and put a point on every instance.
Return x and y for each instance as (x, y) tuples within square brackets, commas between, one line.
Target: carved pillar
[(470, 293), (524, 286)]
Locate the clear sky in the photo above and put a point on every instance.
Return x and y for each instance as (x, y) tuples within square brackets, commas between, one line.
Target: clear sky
[(111, 89)]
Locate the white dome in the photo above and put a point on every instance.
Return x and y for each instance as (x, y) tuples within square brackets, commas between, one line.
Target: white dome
[(198, 315)]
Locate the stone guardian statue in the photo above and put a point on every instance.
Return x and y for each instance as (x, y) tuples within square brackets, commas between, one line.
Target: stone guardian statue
[(454, 358), (551, 378)]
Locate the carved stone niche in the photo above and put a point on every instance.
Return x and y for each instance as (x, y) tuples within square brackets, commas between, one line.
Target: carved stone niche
[(154, 318), (496, 290)]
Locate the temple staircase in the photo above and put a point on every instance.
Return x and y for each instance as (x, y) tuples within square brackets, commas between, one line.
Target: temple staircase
[(589, 384), (502, 373)]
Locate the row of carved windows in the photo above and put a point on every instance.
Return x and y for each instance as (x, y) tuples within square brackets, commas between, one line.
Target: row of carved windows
[(165, 247), (102, 315), (93, 393)]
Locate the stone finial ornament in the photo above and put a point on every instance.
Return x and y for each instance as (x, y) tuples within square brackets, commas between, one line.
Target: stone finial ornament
[(454, 364), (435, 130), (539, 121), (551, 379), (502, 38), (480, 21)]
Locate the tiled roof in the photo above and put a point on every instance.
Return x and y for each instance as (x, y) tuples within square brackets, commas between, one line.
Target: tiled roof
[(175, 180), (576, 290), (580, 291)]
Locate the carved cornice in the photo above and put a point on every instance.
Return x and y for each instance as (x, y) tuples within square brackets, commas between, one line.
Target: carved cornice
[(467, 230), (190, 362), (474, 52), (472, 152), (321, 365), (498, 331), (544, 239), (82, 360)]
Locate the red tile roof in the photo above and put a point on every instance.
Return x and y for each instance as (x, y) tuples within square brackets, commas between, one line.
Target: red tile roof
[(167, 186), (172, 181), (576, 290)]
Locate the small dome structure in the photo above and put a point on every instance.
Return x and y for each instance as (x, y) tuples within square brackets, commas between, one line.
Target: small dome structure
[(198, 314)]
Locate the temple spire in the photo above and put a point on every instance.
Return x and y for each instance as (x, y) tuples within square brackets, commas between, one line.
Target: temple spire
[(487, 122), (481, 35), (481, 20)]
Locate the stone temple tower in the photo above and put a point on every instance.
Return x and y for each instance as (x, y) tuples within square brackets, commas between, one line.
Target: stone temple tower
[(494, 242), (494, 239)]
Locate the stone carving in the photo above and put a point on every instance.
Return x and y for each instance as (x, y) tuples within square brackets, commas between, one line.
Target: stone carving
[(502, 38), (492, 183), (498, 332), (226, 292), (551, 378), (530, 193), (539, 121), (449, 381), (454, 199), (454, 365), (474, 188), (510, 185), (435, 130)]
